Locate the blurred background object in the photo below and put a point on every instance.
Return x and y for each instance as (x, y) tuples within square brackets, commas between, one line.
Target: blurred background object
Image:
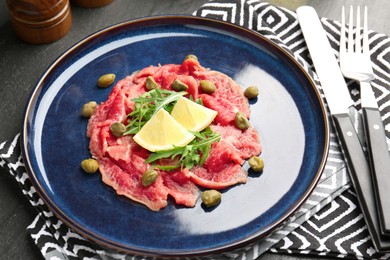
[(91, 3), (40, 22)]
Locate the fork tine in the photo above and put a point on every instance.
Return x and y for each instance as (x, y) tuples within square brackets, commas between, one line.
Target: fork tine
[(350, 31), (342, 32), (365, 32), (358, 44)]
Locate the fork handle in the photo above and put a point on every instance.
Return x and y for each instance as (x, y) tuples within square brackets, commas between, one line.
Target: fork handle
[(359, 172), (379, 158)]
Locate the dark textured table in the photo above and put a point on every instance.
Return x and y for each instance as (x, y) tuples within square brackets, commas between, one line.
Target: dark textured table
[(22, 64)]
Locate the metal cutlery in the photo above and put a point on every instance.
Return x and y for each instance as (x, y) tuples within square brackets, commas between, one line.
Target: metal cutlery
[(355, 64), (339, 102)]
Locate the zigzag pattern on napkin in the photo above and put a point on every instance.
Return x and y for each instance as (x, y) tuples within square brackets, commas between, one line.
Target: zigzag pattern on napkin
[(338, 230), (380, 55), (53, 237)]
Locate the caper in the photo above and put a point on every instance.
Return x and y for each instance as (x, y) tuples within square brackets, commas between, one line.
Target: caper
[(90, 165), (151, 83), (117, 129), (211, 197), (106, 80), (177, 85), (191, 56), (251, 92), (88, 109), (241, 121), (207, 86), (149, 177), (256, 163)]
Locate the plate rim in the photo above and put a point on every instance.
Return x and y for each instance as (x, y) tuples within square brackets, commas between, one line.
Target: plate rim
[(106, 242)]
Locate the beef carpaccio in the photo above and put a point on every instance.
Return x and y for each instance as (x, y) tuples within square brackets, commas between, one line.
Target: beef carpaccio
[(122, 161)]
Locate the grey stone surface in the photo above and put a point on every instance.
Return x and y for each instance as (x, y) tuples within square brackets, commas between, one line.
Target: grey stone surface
[(22, 64)]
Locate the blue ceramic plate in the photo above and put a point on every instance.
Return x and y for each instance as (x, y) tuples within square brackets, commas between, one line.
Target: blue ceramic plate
[(289, 116)]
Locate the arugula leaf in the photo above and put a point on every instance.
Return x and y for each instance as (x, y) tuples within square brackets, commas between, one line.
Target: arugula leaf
[(173, 96), (195, 153), (147, 105)]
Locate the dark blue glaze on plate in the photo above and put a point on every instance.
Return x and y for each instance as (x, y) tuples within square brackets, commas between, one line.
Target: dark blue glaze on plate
[(289, 116)]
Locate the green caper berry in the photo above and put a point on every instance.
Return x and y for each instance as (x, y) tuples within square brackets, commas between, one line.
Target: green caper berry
[(177, 85), (149, 177), (90, 165), (256, 163), (191, 56), (151, 83), (211, 198), (117, 129), (106, 80), (251, 92), (207, 86), (241, 121), (88, 109)]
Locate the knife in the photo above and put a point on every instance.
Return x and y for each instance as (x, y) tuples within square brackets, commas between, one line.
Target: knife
[(339, 101)]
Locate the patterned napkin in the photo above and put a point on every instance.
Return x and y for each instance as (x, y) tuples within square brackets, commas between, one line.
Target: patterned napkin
[(328, 224)]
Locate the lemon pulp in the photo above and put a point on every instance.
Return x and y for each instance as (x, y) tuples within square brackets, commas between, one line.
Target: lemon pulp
[(192, 116), (162, 132)]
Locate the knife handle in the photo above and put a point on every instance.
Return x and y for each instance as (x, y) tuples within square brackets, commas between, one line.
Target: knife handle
[(359, 172), (379, 164)]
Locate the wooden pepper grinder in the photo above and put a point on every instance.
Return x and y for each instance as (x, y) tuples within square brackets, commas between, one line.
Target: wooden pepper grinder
[(40, 21)]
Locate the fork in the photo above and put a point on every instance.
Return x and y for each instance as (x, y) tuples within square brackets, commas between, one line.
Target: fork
[(355, 63)]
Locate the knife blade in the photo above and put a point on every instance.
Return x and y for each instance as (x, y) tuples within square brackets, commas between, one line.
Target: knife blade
[(339, 101)]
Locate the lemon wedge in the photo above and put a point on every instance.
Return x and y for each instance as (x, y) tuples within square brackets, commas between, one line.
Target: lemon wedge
[(192, 116), (162, 132)]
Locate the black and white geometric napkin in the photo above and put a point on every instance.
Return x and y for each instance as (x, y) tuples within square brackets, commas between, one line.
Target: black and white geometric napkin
[(328, 224)]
